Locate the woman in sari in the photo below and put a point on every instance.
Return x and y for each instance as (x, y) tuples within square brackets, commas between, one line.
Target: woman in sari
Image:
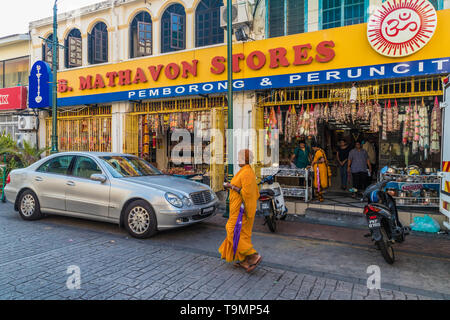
[(243, 190), (321, 169)]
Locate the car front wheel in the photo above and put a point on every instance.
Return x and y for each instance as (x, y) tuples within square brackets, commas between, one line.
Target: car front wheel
[(140, 220), (29, 208)]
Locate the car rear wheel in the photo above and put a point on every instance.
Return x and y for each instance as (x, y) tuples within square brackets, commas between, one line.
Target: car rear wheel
[(29, 208), (140, 220)]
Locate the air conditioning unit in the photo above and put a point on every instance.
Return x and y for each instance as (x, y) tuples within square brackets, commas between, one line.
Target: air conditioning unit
[(27, 123), (241, 14), (29, 137)]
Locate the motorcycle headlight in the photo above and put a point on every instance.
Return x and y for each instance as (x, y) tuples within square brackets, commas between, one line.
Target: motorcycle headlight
[(174, 200)]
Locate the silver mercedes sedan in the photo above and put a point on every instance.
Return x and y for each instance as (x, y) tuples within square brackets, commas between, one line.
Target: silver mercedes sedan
[(116, 188)]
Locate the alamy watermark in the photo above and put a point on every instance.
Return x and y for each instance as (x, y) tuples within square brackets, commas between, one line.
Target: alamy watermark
[(207, 146), (374, 280), (74, 280)]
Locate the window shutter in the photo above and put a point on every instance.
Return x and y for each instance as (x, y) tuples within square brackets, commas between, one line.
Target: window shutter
[(104, 44), (90, 48)]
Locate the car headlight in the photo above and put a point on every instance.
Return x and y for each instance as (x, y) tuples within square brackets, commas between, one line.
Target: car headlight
[(213, 194), (187, 202), (174, 200)]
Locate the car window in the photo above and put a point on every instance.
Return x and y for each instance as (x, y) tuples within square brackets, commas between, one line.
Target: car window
[(126, 166), (58, 165), (85, 167)]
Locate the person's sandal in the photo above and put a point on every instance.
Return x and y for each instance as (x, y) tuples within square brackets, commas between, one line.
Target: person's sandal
[(254, 265)]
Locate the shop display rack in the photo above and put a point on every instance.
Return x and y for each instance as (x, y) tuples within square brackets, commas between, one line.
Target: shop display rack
[(304, 191), (413, 190)]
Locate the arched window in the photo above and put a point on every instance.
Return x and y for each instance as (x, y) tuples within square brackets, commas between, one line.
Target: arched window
[(47, 50), (207, 23), (173, 29), (98, 44), (73, 49), (141, 35)]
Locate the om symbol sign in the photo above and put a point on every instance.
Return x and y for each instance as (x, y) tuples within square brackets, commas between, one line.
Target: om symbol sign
[(401, 28), (401, 25)]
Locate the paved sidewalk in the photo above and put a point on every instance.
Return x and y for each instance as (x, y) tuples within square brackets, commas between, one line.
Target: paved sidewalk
[(35, 256)]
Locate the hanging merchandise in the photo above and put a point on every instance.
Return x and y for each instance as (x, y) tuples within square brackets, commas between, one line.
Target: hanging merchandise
[(272, 123), (395, 118), (306, 121), (300, 130), (353, 94), (279, 121), (326, 113), (435, 128), (190, 125), (313, 121), (406, 126), (385, 123), (412, 122), (287, 125), (390, 118), (415, 146), (293, 122), (424, 141)]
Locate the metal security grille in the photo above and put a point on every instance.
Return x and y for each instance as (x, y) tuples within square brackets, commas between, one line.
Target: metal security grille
[(388, 89), (87, 129), (8, 125)]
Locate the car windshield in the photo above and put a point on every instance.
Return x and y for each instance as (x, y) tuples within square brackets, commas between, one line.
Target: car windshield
[(127, 166)]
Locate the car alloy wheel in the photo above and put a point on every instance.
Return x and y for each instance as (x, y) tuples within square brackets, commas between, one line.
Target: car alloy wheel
[(28, 205), (139, 220)]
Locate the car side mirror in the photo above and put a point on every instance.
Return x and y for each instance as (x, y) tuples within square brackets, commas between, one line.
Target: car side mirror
[(98, 177)]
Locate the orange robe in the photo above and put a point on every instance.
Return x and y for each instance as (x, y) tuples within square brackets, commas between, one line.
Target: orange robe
[(246, 180), (324, 171)]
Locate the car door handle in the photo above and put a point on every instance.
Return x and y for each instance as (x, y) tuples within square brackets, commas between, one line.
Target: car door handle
[(70, 183), (39, 179)]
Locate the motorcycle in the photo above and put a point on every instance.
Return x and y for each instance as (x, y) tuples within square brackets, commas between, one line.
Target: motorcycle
[(383, 222), (271, 202)]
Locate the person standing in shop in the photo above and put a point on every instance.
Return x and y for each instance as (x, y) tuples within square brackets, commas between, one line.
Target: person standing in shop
[(302, 155), (342, 158), (322, 171), (370, 149), (360, 167)]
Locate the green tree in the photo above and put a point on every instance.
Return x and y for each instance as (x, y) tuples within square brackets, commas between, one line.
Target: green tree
[(29, 154)]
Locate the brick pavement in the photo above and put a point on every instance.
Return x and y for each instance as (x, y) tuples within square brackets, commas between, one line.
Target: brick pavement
[(34, 257)]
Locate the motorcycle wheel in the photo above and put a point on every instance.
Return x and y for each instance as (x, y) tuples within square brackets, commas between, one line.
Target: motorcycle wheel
[(387, 251), (271, 223)]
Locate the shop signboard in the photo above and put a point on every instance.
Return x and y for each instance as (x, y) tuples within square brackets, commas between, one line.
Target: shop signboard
[(40, 85), (324, 57), (13, 98), (401, 28)]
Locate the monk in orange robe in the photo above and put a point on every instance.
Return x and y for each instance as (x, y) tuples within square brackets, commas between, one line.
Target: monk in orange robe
[(243, 187)]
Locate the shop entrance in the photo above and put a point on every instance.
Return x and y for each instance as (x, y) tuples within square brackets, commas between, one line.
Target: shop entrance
[(399, 119)]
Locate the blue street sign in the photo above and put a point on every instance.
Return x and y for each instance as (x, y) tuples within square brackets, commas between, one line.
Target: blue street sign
[(40, 85)]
